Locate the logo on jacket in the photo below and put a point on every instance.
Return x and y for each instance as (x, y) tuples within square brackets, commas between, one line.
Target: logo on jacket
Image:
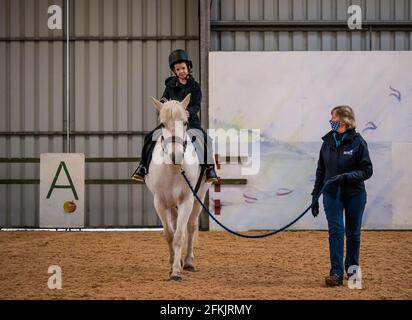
[(348, 153)]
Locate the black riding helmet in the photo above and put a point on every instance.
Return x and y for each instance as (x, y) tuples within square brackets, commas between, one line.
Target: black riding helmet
[(177, 56)]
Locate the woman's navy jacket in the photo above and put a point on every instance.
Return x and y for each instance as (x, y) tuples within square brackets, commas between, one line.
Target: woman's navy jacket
[(350, 157)]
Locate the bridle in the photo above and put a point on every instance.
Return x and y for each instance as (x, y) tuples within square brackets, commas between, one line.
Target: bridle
[(174, 139)]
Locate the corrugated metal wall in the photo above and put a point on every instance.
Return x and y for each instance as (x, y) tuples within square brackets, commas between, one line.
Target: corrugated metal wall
[(119, 58), (31, 99), (113, 83), (311, 11)]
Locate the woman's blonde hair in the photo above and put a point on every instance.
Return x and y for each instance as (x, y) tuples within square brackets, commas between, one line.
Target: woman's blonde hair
[(345, 115)]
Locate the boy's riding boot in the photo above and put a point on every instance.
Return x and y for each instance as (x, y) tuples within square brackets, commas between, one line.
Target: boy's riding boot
[(139, 174), (210, 172)]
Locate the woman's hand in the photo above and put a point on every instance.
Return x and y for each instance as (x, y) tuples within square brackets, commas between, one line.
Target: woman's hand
[(315, 207), (340, 178)]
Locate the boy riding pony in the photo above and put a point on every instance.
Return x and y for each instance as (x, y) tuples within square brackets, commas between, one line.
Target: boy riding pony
[(177, 88)]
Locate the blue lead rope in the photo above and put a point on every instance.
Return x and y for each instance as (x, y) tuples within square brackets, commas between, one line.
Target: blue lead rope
[(260, 235)]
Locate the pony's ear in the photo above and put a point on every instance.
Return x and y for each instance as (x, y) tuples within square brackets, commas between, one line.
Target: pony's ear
[(158, 105), (186, 101)]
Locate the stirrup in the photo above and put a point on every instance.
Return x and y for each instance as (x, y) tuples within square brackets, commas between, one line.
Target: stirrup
[(138, 177), (212, 180)]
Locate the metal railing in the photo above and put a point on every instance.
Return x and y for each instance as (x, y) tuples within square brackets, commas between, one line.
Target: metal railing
[(101, 181)]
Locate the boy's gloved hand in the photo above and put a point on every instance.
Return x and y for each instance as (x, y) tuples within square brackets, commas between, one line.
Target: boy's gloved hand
[(315, 207)]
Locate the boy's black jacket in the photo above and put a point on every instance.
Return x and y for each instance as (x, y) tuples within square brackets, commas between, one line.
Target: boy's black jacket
[(176, 91), (351, 157)]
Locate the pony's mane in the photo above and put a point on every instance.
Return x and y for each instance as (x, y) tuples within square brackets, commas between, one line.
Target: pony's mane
[(172, 110)]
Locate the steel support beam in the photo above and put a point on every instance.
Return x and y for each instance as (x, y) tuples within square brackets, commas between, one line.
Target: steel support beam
[(204, 32), (263, 25), (101, 38), (73, 133)]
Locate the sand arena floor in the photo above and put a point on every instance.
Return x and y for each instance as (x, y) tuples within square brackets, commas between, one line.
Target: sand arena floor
[(134, 265)]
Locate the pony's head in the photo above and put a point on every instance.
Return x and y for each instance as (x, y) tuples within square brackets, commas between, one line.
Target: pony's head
[(172, 115)]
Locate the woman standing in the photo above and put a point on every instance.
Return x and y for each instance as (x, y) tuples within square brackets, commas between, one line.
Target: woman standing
[(344, 155)]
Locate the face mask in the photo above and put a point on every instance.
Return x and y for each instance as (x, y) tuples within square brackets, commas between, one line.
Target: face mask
[(334, 125)]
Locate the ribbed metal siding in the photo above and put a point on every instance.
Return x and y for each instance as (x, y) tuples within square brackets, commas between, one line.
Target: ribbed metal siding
[(111, 85), (309, 10), (31, 99)]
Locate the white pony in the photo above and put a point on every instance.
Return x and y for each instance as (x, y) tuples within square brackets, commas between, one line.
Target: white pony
[(174, 202)]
